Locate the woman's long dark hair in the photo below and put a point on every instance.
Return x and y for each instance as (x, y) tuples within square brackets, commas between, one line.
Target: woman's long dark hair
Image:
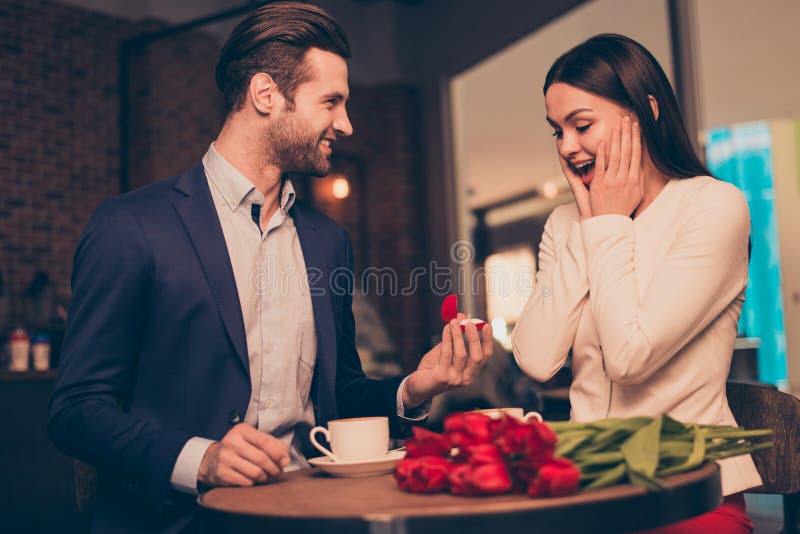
[(619, 69)]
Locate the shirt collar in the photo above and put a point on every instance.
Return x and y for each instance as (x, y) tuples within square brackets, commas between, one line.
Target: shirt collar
[(287, 196), (235, 187)]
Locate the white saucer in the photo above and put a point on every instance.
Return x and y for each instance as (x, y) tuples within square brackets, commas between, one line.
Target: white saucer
[(359, 469)]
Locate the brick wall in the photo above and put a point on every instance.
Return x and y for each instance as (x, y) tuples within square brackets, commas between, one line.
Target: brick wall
[(176, 109), (59, 153), (58, 135), (384, 159)]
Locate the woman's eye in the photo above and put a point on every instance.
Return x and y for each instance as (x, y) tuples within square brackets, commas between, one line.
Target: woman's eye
[(557, 134), (583, 128)]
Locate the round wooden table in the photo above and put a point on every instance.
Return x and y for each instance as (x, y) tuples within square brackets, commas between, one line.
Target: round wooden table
[(311, 501)]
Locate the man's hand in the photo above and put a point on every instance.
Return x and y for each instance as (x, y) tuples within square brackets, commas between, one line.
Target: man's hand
[(450, 364), (243, 457)]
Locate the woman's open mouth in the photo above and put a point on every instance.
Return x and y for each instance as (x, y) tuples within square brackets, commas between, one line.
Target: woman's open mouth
[(585, 170)]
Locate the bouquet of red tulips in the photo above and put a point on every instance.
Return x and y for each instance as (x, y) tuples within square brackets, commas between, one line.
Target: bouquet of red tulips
[(478, 455)]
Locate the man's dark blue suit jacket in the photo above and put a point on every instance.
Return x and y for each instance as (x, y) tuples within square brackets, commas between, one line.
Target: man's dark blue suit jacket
[(155, 349)]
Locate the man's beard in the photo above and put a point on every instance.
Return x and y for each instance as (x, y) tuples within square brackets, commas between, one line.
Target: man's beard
[(294, 148)]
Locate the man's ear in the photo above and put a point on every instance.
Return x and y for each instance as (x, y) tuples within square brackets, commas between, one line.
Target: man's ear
[(653, 106), (263, 93)]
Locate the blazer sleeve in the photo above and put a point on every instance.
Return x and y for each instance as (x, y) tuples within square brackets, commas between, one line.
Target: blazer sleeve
[(546, 327), (357, 395), (111, 282), (703, 272)]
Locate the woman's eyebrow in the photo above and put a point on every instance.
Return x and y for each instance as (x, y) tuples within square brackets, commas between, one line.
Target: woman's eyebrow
[(575, 112), (569, 116)]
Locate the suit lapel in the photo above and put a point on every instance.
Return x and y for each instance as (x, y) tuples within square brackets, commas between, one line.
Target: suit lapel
[(318, 267), (199, 216)]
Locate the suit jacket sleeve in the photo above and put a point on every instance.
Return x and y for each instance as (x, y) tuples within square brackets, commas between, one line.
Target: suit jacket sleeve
[(111, 282), (357, 395)]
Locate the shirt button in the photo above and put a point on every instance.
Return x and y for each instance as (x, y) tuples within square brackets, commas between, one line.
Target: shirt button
[(270, 404)]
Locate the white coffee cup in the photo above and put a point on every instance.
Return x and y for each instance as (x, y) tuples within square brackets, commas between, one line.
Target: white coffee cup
[(519, 413), (354, 440)]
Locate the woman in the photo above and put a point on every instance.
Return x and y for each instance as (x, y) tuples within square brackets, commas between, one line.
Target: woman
[(643, 276)]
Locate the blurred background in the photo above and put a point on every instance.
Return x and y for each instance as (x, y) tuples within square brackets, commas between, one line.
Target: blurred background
[(451, 166)]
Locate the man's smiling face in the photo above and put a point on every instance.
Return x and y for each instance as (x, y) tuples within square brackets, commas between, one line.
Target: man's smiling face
[(302, 135)]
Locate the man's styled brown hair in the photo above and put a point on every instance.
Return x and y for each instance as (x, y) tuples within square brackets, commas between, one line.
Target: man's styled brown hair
[(274, 39)]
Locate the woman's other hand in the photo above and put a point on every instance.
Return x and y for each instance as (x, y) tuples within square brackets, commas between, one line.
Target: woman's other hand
[(618, 185)]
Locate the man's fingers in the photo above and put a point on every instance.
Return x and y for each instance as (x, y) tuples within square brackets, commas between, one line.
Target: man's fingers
[(235, 462), (446, 352), (277, 451), (459, 350), (269, 464), (476, 357), (474, 343), (231, 457), (228, 476), (488, 341), (258, 449), (249, 470)]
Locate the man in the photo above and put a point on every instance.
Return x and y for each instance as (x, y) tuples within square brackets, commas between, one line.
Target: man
[(186, 364)]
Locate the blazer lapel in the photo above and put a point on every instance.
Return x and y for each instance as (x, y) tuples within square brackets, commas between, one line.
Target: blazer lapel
[(196, 209), (318, 269)]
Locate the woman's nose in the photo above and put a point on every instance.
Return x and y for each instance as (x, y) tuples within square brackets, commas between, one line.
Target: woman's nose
[(568, 146)]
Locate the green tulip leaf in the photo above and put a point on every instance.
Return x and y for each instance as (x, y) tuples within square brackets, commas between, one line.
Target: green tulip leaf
[(641, 454), (694, 459), (608, 477)]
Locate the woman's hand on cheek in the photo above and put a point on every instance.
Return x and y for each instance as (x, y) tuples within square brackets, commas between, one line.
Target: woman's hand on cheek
[(579, 190), (618, 187)]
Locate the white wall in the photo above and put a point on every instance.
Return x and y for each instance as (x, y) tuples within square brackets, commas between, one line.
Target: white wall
[(786, 151), (748, 64)]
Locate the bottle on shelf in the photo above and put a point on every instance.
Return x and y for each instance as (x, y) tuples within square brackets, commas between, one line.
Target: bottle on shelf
[(19, 348), (40, 351)]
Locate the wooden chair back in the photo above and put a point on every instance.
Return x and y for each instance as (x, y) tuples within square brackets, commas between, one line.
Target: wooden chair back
[(762, 406)]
